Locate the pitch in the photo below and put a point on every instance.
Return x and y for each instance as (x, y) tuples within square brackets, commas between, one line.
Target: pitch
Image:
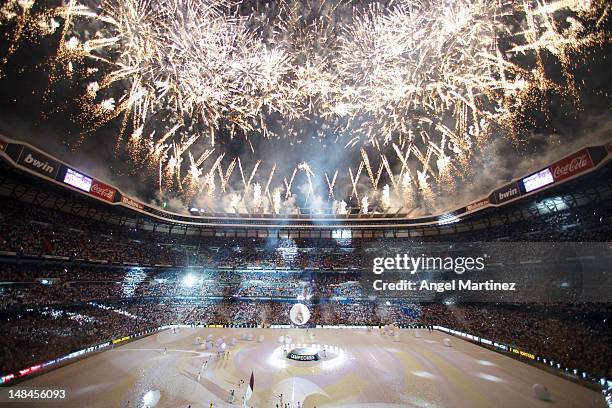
[(361, 369)]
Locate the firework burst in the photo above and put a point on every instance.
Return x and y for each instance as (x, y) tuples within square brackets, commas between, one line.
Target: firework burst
[(431, 81)]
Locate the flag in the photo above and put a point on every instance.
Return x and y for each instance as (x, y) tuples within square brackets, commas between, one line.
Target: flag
[(249, 392)]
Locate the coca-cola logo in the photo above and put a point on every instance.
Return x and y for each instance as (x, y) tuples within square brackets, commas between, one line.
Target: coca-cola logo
[(574, 164), (103, 191)]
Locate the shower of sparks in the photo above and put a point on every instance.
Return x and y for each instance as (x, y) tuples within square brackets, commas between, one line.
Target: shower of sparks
[(432, 80)]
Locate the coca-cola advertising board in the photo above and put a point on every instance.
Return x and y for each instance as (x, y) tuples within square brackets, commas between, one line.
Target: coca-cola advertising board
[(103, 191), (572, 165)]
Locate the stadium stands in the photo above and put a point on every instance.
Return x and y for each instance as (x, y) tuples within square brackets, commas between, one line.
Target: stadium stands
[(68, 281)]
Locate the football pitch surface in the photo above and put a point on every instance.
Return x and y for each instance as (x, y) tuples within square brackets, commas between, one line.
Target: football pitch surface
[(358, 368)]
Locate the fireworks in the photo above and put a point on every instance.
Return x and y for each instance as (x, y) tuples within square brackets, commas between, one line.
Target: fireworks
[(431, 81)]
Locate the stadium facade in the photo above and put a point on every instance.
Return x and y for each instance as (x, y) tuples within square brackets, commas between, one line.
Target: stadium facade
[(572, 181)]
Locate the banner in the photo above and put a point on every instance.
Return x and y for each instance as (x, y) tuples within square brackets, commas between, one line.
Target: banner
[(38, 162), (572, 165), (78, 180), (506, 193), (477, 205), (131, 202), (21, 373), (103, 191), (126, 338), (537, 180)]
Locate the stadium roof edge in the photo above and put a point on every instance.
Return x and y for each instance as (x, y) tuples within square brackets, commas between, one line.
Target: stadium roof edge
[(36, 162)]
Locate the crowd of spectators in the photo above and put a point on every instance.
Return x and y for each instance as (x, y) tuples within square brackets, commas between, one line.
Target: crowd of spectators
[(67, 282), (33, 337), (37, 284), (31, 232), (575, 335), (34, 284)]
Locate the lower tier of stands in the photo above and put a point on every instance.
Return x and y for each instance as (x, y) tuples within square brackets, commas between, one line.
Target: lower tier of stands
[(574, 335)]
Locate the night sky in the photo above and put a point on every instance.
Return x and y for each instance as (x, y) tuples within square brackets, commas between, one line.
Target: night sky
[(50, 118)]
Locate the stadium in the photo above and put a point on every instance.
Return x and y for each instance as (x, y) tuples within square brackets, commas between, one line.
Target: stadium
[(304, 204)]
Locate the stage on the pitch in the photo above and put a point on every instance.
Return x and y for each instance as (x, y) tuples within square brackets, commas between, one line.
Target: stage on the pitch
[(303, 354)]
